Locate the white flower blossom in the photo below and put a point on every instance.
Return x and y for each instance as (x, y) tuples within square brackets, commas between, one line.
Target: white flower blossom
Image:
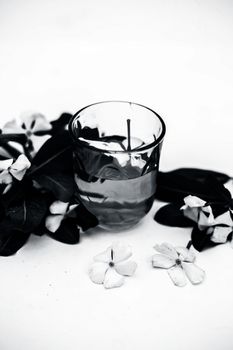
[(197, 210), (179, 263), (58, 210), (32, 125), (223, 228), (10, 169), (111, 266)]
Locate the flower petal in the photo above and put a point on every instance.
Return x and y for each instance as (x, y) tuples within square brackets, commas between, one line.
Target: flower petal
[(41, 124), (5, 177), (220, 234), (193, 201), (177, 276), (194, 273), (38, 142), (224, 218), (97, 272), (185, 254), (162, 261), (105, 256), (121, 252), (206, 217), (137, 161), (19, 167), (35, 121), (191, 213), (58, 207), (12, 127), (53, 222), (113, 279), (5, 164), (126, 268), (166, 249)]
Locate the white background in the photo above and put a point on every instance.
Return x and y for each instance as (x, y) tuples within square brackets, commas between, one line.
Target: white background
[(175, 57)]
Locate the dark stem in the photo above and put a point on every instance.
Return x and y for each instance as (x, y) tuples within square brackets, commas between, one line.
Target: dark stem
[(128, 135), (27, 153), (189, 245), (14, 153), (111, 254), (21, 138)]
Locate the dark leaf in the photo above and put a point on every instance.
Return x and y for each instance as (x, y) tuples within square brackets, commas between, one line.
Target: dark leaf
[(55, 155), (61, 185), (28, 212), (171, 215), (16, 192), (89, 133), (84, 218), (12, 241), (60, 123), (200, 175), (200, 239), (175, 185), (68, 232), (114, 138)]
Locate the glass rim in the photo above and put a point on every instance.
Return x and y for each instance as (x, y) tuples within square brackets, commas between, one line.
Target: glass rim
[(144, 148)]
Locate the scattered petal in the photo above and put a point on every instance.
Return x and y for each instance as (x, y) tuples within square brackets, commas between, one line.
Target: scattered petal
[(113, 279), (97, 272), (177, 276), (126, 268), (194, 273), (166, 249), (163, 261), (220, 234)]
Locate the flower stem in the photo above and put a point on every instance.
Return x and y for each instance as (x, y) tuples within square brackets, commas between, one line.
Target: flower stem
[(21, 138), (13, 152), (128, 133), (189, 245)]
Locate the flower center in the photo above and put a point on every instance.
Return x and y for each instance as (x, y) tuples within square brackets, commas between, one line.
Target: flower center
[(111, 264), (29, 133), (178, 262)]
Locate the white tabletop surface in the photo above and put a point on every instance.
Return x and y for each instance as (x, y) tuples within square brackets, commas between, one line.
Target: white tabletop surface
[(175, 57)]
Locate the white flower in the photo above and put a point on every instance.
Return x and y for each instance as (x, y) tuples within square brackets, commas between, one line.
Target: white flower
[(33, 125), (223, 228), (111, 265), (218, 228), (58, 210), (179, 263), (197, 210), (10, 170)]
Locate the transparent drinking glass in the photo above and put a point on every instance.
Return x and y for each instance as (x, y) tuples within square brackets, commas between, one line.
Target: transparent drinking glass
[(116, 147)]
